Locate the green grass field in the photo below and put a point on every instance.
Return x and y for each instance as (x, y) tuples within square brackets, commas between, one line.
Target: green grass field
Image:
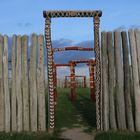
[(73, 114), (117, 136)]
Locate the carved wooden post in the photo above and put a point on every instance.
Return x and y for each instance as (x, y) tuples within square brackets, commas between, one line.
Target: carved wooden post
[(98, 72), (66, 81), (55, 83), (72, 77), (76, 82), (85, 85), (92, 84), (50, 75)]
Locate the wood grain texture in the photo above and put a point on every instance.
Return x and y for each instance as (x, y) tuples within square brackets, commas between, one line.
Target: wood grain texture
[(135, 78), (33, 84), (111, 81), (120, 102), (41, 85), (6, 85), (13, 96), (2, 109), (25, 82), (105, 82), (18, 87)]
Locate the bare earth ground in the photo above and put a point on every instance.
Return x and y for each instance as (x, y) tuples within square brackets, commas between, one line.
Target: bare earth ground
[(76, 134)]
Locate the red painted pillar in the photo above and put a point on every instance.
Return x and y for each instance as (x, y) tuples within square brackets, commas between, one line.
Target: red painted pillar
[(65, 82), (72, 77), (85, 82), (76, 82), (92, 82)]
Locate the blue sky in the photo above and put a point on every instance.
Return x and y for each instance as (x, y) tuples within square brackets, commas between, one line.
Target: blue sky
[(25, 17)]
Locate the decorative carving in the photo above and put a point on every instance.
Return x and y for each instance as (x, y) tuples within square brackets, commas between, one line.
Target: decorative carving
[(98, 73), (57, 14), (51, 117)]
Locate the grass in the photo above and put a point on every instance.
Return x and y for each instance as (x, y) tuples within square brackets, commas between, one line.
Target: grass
[(28, 136), (117, 136), (79, 113)]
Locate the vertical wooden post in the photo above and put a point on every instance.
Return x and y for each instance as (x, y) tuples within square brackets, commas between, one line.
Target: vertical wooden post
[(92, 84), (51, 105), (2, 106), (25, 82), (137, 34), (111, 81), (119, 82), (128, 103), (131, 82), (33, 85), (65, 82), (72, 76), (105, 82), (41, 85), (18, 87), (55, 84), (98, 72), (13, 96), (135, 78), (84, 82), (6, 85)]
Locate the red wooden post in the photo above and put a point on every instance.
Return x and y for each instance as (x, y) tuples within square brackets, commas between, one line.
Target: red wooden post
[(65, 82), (84, 82), (92, 83), (73, 87), (76, 82)]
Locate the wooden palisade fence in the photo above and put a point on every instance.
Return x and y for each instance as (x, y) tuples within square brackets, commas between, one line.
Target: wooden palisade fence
[(22, 98), (120, 80)]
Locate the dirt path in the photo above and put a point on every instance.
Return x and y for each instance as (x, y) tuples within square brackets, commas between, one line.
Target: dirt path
[(76, 134)]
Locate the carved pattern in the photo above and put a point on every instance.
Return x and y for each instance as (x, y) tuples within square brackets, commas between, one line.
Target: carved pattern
[(50, 74), (53, 14), (98, 72), (57, 14)]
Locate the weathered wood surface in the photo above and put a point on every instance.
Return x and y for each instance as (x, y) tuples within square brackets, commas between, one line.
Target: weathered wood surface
[(105, 82), (131, 82), (25, 83), (41, 85), (6, 85), (119, 82), (13, 96), (33, 84), (2, 109), (111, 81), (135, 78), (137, 36), (18, 87), (128, 103)]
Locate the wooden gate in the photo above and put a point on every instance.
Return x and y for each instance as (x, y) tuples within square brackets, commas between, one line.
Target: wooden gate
[(57, 14)]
